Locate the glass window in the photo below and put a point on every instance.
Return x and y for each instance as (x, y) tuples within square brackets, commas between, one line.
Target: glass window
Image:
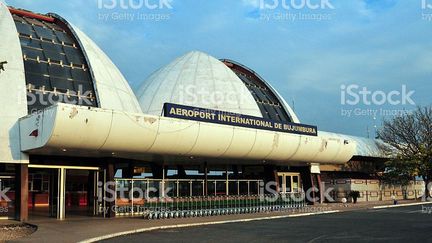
[(53, 26), (24, 28), (296, 182), (34, 21), (27, 42), (35, 67), (271, 112), (51, 47), (73, 55), (44, 33), (83, 86), (63, 37), (55, 56), (61, 84), (33, 53), (18, 18), (38, 80), (288, 184), (59, 71), (80, 74)]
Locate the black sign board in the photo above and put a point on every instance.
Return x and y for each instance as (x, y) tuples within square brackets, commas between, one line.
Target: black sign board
[(234, 119)]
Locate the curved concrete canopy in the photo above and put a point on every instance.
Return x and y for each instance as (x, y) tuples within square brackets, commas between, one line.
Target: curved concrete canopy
[(104, 132)]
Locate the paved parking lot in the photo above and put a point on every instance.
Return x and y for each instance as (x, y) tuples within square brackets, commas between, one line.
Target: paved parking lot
[(402, 224)]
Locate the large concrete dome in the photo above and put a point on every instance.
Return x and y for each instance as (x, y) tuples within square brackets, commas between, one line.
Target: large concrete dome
[(45, 60), (62, 64), (200, 80)]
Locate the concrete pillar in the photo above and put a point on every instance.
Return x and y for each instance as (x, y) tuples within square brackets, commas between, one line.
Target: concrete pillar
[(91, 193), (313, 186), (164, 171), (226, 181), (306, 179), (110, 173), (61, 204), (321, 188), (205, 179), (21, 192), (270, 175)]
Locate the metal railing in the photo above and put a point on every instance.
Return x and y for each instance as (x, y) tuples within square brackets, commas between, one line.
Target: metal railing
[(190, 187), (186, 198), (183, 207), (180, 207)]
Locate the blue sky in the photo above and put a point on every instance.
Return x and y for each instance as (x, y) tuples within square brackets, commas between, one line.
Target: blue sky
[(377, 44)]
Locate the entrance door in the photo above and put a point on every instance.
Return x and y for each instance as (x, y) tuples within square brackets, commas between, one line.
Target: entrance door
[(42, 193), (79, 197), (289, 182), (53, 192), (62, 190)]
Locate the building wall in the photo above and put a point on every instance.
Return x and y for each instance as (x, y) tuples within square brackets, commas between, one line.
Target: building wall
[(13, 91), (374, 190)]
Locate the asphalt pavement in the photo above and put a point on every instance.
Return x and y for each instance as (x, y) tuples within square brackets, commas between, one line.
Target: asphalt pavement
[(403, 224)]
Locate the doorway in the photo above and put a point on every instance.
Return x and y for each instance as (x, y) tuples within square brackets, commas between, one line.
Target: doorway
[(289, 182), (79, 193), (62, 191)]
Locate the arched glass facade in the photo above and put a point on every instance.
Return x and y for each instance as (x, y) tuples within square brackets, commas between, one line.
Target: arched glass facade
[(55, 67), (270, 105)]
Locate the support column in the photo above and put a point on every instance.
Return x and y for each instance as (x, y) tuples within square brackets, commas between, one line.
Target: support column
[(91, 193), (226, 181), (205, 179), (21, 192), (313, 186), (321, 188), (61, 204), (270, 175), (110, 173), (306, 179), (163, 181)]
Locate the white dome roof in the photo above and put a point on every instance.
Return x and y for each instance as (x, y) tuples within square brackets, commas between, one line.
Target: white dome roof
[(200, 80)]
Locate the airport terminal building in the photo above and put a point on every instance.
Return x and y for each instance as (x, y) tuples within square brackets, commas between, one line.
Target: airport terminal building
[(70, 123)]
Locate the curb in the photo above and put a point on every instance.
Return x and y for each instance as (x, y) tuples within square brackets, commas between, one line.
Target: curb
[(401, 205), (105, 237)]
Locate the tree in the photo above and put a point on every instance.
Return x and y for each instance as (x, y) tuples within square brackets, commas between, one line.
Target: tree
[(409, 137)]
